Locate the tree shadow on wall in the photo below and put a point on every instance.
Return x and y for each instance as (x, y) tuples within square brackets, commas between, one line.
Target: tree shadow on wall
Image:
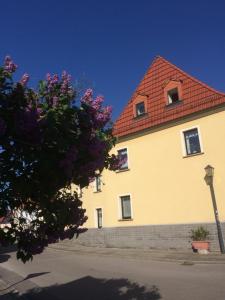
[(90, 288)]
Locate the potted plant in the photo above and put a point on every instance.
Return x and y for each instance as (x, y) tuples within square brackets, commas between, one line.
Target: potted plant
[(199, 238)]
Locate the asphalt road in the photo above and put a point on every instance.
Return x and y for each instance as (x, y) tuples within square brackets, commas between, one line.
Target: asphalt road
[(58, 274)]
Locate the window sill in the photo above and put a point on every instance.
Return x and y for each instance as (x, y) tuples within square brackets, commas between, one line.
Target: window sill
[(121, 220), (172, 105), (140, 116), (123, 170), (194, 154)]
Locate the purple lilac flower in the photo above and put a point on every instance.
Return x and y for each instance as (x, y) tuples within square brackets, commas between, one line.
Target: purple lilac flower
[(104, 116), (108, 111), (55, 79), (87, 98), (66, 77), (24, 79), (48, 77), (65, 87), (96, 104), (2, 127), (9, 66), (51, 81)]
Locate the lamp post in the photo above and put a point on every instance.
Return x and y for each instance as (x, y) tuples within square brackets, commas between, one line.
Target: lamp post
[(209, 170)]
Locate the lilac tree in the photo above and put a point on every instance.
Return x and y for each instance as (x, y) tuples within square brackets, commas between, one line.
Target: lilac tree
[(48, 142)]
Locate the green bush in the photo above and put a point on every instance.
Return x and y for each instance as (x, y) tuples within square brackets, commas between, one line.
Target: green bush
[(199, 234)]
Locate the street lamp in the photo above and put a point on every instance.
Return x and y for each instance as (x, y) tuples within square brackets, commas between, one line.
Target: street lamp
[(209, 170)]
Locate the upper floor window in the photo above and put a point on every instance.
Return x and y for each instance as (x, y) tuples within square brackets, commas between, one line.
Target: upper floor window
[(97, 184), (140, 109), (192, 141), (122, 153)]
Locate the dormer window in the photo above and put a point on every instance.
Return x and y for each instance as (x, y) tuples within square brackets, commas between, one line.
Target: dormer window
[(140, 106), (140, 109), (173, 96), (173, 92)]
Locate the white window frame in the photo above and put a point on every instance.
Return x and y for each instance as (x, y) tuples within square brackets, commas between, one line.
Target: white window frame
[(183, 143), (128, 162), (95, 184), (96, 217), (120, 214)]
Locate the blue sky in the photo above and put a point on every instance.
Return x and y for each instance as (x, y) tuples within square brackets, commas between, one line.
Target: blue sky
[(110, 44)]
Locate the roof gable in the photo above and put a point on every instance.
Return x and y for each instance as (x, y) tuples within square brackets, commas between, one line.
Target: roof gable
[(162, 75)]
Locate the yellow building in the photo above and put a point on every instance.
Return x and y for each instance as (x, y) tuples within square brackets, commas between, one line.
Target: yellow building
[(170, 130)]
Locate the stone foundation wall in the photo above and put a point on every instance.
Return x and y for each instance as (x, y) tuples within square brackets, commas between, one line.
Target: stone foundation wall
[(150, 237)]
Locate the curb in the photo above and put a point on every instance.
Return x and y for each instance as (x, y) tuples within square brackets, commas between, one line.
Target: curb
[(143, 254)]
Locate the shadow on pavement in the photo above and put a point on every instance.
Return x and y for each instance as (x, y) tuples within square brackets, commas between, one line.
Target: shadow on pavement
[(90, 288), (4, 257), (7, 249), (30, 276)]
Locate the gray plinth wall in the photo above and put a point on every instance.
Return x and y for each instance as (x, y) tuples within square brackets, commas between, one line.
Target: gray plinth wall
[(150, 237)]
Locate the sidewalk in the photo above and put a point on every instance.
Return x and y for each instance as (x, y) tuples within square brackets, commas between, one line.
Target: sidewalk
[(7, 294), (8, 285), (185, 257)]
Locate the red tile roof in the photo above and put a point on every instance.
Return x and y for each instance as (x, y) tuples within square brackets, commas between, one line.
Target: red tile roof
[(196, 97)]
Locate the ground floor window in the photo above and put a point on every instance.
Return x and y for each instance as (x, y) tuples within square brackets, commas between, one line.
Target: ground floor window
[(99, 217), (125, 207)]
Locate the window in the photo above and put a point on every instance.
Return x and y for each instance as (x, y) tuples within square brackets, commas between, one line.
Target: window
[(99, 217), (125, 207), (140, 109), (97, 183), (79, 191), (173, 96), (122, 153), (140, 105), (192, 142), (173, 92)]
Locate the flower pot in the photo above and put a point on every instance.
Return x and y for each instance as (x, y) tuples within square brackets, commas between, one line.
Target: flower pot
[(200, 246)]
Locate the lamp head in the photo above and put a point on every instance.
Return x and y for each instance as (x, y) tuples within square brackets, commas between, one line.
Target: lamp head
[(209, 170)]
